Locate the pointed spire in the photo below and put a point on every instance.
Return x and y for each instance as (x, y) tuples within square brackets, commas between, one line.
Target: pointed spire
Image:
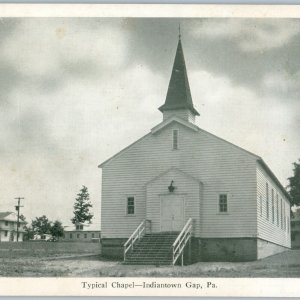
[(179, 94)]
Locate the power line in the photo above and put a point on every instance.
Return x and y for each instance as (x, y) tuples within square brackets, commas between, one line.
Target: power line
[(18, 210)]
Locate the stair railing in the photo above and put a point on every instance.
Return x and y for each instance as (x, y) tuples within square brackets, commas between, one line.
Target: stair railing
[(181, 241), (136, 236)]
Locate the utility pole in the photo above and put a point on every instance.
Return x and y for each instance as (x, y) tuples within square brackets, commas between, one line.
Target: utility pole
[(18, 210)]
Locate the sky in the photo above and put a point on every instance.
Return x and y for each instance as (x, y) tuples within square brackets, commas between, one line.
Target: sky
[(75, 91)]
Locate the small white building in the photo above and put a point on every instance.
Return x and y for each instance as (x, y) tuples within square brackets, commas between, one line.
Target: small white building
[(82, 232), (295, 229), (8, 227), (179, 172)]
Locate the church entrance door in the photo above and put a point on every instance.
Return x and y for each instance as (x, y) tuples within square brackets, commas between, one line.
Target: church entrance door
[(172, 213)]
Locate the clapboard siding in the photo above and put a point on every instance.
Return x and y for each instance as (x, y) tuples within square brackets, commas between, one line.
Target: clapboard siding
[(267, 229), (219, 166), (184, 114)]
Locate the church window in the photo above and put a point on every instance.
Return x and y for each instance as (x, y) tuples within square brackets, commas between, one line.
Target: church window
[(284, 217), (223, 203), (175, 139), (260, 205), (277, 209), (267, 200), (130, 206), (273, 213), (281, 215)]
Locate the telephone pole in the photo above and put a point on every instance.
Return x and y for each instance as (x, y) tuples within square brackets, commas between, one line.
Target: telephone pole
[(18, 210)]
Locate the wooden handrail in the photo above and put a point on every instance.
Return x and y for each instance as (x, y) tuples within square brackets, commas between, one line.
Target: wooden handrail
[(136, 235), (181, 241)]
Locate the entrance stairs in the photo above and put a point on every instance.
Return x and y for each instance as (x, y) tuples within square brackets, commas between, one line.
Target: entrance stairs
[(152, 249)]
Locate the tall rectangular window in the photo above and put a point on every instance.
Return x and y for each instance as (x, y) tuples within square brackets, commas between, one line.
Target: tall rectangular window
[(260, 205), (284, 217), (6, 223), (277, 209), (130, 206), (223, 206), (281, 215), (5, 233), (175, 139), (273, 213), (78, 235), (267, 200), (71, 235)]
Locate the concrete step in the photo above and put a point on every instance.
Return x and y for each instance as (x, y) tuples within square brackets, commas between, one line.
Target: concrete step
[(153, 249)]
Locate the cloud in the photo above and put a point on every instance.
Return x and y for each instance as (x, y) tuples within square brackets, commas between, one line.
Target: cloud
[(283, 83), (65, 115), (79, 90), (252, 34), (46, 45), (265, 125)]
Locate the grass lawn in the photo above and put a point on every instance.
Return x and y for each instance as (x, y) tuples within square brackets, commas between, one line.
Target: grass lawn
[(84, 260)]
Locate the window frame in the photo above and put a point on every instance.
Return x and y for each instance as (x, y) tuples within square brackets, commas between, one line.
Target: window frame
[(175, 146), (281, 214), (273, 206), (284, 217), (260, 205), (277, 209), (220, 211), (134, 205), (267, 202)]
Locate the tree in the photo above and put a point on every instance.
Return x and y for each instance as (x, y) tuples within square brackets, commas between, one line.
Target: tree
[(57, 229), (294, 185), (82, 207), (22, 218), (41, 225), (28, 234), (28, 231)]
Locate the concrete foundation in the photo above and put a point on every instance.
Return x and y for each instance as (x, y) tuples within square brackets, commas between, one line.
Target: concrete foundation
[(227, 249), (113, 247), (209, 249), (265, 248)]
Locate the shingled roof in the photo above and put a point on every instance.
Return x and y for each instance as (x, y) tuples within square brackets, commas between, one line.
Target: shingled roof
[(179, 94), (4, 214)]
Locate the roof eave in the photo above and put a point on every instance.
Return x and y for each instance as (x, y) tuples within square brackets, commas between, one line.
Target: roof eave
[(165, 108)]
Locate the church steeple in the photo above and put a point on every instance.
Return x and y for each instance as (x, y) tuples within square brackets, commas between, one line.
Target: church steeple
[(179, 100)]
